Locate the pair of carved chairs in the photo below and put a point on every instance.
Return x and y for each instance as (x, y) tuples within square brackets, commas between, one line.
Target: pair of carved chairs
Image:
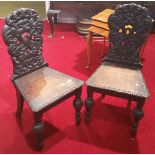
[(43, 88)]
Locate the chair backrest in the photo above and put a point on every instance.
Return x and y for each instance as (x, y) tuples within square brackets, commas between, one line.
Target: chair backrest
[(22, 34), (129, 26)]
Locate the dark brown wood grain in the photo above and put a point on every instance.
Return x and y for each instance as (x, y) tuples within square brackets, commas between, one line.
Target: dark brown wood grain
[(120, 73), (40, 86)]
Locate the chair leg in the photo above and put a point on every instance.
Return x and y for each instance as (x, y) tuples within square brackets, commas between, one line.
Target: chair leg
[(38, 129), (137, 115), (20, 103), (89, 49), (77, 105), (89, 102)]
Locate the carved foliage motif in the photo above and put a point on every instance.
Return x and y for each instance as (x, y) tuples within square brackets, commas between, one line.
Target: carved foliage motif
[(129, 26), (22, 34)]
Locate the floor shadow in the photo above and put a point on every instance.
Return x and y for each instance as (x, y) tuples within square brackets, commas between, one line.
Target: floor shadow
[(50, 132), (81, 59), (109, 128)]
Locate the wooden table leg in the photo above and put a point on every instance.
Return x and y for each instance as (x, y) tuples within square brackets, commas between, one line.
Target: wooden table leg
[(104, 39), (89, 49)]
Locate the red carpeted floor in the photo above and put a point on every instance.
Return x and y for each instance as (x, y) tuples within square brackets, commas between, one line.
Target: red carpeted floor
[(109, 130)]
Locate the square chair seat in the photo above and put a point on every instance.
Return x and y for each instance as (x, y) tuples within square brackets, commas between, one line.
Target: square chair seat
[(45, 86), (119, 80)]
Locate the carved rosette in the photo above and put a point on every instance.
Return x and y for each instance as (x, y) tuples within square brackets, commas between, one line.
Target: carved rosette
[(22, 34), (129, 26)]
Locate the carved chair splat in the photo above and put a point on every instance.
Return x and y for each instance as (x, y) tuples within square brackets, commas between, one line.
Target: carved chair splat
[(40, 86)]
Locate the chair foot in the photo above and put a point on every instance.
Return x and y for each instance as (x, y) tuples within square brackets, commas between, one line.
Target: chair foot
[(88, 104), (50, 36), (132, 138), (77, 105), (87, 67), (137, 115), (38, 129)]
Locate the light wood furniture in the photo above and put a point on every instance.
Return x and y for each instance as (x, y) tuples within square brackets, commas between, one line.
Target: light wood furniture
[(99, 25)]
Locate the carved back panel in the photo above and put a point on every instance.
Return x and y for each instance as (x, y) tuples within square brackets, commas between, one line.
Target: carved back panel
[(129, 26), (22, 34)]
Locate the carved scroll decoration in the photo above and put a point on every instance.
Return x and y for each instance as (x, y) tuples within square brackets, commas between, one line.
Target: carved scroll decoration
[(22, 34), (129, 26)]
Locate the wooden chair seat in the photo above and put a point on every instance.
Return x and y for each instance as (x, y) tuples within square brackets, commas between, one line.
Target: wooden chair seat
[(43, 87), (117, 79)]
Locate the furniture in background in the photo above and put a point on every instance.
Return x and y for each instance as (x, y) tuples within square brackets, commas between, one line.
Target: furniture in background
[(83, 22), (76, 11), (120, 73), (40, 86), (52, 18), (99, 26)]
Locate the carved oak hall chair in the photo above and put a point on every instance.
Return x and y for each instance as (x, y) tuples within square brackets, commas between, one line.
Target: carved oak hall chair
[(120, 73), (40, 86)]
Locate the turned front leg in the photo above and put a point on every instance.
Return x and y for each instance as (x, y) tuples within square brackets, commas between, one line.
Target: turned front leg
[(89, 102), (137, 115), (89, 50), (20, 103), (77, 105), (38, 129)]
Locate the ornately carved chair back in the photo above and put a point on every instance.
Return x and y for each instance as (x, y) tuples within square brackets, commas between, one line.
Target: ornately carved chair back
[(129, 26), (22, 34)]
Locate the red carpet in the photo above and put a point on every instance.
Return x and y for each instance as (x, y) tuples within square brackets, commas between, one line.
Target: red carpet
[(109, 130)]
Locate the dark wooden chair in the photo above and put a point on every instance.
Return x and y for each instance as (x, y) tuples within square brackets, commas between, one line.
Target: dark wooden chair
[(120, 73), (40, 86)]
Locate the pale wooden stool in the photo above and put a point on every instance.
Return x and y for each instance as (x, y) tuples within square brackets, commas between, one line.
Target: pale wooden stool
[(99, 25)]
